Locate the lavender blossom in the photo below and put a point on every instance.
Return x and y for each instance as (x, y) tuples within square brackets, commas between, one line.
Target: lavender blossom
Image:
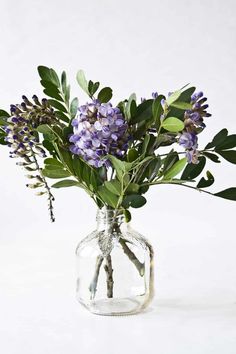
[(188, 140), (194, 117), (25, 117), (99, 130)]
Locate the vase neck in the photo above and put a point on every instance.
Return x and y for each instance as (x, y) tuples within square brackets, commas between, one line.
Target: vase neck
[(111, 220)]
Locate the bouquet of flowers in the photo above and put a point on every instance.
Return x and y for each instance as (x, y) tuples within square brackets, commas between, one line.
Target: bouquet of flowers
[(113, 152)]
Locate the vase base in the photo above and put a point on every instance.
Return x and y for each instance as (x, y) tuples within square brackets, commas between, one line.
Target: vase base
[(114, 306)]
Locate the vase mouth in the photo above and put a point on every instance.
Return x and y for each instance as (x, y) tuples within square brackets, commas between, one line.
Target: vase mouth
[(109, 215)]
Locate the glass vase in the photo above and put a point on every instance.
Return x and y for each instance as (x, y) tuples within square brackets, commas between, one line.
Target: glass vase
[(114, 266)]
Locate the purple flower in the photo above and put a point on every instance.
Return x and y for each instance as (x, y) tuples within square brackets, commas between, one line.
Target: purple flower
[(154, 95), (188, 140), (99, 130), (192, 156), (194, 117)]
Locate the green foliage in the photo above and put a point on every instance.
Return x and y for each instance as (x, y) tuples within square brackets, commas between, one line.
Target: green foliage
[(173, 124), (191, 171), (173, 97), (203, 183), (143, 112), (66, 183), (151, 125), (114, 186), (105, 95), (175, 169), (55, 173), (134, 201), (229, 193), (130, 107), (83, 83), (108, 197)]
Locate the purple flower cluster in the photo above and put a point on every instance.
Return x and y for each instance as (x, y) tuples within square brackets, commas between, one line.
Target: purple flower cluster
[(20, 130), (194, 121), (196, 114), (99, 129)]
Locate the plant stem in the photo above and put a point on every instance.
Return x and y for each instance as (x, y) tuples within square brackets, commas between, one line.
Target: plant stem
[(178, 184), (49, 193), (94, 282), (109, 274), (132, 257)]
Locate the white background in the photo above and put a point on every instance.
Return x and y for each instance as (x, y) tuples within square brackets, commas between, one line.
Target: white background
[(139, 46)]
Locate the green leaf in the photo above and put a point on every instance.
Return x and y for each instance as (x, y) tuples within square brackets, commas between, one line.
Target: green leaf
[(66, 183), (228, 143), (157, 110), (62, 116), (132, 188), (74, 107), (64, 82), (175, 169), (105, 95), (46, 130), (173, 124), (93, 180), (50, 132), (218, 139), (3, 142), (93, 87), (145, 144), (153, 168), (65, 157), (49, 146), (127, 215), (173, 97), (108, 197), (83, 83), (4, 113), (132, 155), (78, 166), (53, 92), (118, 165), (3, 121), (54, 162), (86, 175), (186, 94), (55, 77), (134, 201), (229, 193), (203, 183), (48, 74), (229, 155), (144, 112), (181, 105), (57, 105), (212, 157), (131, 107), (170, 160), (67, 95), (60, 173), (191, 171), (113, 186)]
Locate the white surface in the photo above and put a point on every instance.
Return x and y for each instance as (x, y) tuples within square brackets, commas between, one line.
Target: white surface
[(131, 46)]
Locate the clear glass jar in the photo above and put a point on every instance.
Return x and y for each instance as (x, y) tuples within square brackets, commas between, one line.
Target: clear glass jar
[(114, 267)]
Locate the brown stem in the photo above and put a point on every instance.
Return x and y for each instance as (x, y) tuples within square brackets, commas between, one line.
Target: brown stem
[(94, 282), (132, 257), (109, 274)]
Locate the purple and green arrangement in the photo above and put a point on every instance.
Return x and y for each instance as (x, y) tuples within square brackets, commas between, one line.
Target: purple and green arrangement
[(113, 152)]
